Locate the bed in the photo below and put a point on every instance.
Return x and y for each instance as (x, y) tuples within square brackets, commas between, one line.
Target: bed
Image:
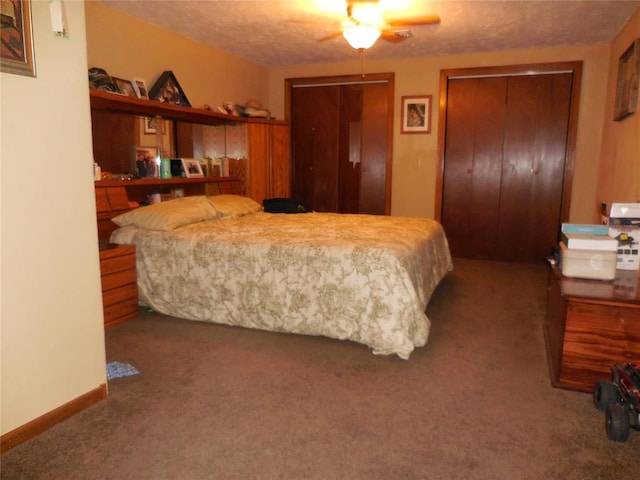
[(221, 259)]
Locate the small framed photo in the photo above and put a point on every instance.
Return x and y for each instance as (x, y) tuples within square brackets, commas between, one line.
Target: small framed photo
[(125, 87), (627, 82), (16, 50), (177, 167), (416, 114), (140, 87), (192, 168), (168, 90), (146, 162), (151, 124)]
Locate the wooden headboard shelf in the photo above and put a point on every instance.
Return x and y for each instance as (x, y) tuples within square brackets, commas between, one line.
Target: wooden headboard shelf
[(113, 197)]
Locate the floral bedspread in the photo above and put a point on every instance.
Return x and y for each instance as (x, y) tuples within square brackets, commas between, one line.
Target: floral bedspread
[(363, 278)]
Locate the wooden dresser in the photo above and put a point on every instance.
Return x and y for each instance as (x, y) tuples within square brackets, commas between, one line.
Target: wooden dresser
[(591, 325), (119, 288)]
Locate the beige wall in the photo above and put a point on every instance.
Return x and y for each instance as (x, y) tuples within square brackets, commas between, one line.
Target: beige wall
[(620, 156), (129, 48), (415, 156), (51, 305)]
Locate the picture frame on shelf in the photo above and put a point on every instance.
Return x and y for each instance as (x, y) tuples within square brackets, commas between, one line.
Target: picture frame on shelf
[(126, 87), (177, 192), (217, 167), (192, 168), (205, 164), (177, 168), (145, 163), (627, 82), (167, 90), (141, 88), (16, 52), (416, 114)]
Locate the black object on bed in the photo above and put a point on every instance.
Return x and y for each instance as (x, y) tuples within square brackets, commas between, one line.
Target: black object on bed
[(283, 205)]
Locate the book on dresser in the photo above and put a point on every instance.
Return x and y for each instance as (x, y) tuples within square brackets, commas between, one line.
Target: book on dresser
[(580, 241), (585, 229)]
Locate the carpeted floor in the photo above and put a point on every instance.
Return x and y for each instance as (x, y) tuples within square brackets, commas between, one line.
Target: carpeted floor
[(216, 402)]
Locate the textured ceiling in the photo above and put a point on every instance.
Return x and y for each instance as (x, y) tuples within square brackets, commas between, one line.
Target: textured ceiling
[(285, 32)]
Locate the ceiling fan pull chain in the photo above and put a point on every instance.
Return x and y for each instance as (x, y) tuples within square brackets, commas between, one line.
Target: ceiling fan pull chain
[(362, 62)]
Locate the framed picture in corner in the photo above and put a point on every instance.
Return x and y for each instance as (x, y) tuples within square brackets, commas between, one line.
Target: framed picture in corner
[(627, 82), (16, 51)]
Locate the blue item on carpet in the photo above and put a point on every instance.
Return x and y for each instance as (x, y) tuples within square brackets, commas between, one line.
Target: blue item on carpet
[(118, 369)]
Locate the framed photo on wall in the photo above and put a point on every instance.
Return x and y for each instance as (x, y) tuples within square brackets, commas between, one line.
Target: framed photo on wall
[(151, 124), (16, 49), (627, 82), (416, 114)]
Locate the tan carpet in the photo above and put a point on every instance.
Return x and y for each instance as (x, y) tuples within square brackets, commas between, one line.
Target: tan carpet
[(216, 402)]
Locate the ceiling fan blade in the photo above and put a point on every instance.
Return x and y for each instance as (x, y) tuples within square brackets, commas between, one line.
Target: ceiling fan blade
[(395, 36), (330, 37), (414, 22)]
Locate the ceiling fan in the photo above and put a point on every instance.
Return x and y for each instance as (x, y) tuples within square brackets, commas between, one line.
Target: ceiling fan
[(365, 23)]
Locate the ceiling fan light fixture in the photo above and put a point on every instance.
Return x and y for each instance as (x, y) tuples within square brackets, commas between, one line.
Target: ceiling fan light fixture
[(361, 36), (365, 12)]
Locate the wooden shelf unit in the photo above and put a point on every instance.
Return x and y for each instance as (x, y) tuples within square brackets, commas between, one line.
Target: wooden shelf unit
[(151, 108), (591, 325), (266, 170), (137, 190)]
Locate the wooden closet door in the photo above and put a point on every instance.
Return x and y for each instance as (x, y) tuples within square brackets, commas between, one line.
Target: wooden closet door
[(315, 115), (350, 149), (473, 155), (375, 131), (505, 152), (363, 148), (535, 143), (340, 136)]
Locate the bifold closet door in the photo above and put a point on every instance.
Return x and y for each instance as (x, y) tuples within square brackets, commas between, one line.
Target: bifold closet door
[(339, 137), (535, 146), (315, 123), (505, 152), (473, 164)]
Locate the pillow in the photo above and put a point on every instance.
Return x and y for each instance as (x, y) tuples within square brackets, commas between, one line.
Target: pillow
[(169, 215), (234, 205)]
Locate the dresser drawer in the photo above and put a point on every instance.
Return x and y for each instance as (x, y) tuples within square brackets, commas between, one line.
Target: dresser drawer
[(121, 294), (120, 312), (119, 284), (118, 279), (118, 264)]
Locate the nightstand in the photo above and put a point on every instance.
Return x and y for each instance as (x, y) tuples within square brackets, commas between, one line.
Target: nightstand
[(119, 287)]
